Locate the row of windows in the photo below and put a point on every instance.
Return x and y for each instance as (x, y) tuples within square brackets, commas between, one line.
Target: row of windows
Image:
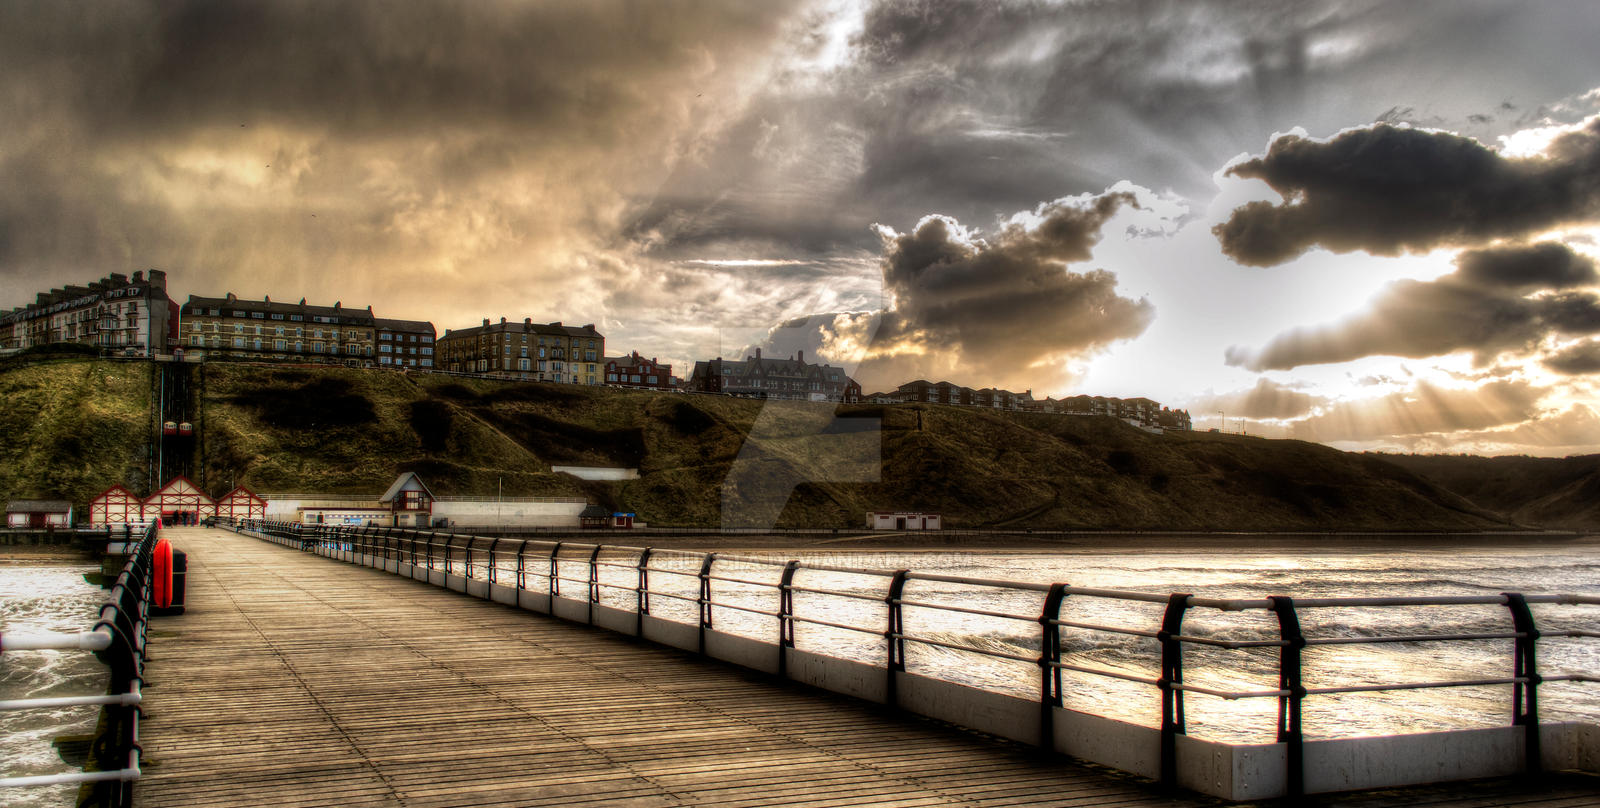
[(240, 343), (386, 335), (632, 378), (278, 331), (261, 315), (393, 349)]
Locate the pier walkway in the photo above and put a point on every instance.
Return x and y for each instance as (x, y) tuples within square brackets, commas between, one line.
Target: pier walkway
[(296, 681)]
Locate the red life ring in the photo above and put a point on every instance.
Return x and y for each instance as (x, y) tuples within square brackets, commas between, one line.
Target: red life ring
[(161, 575)]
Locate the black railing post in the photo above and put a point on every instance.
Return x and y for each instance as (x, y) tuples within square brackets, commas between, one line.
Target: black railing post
[(522, 567), (894, 638), (1172, 723), (449, 545), (555, 582), (1289, 679), (594, 581), (1050, 664), (786, 615), (494, 563), (1525, 692), (705, 597), (641, 593)]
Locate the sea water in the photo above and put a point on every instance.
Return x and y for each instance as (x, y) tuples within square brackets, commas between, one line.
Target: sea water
[(1250, 570), (45, 596)]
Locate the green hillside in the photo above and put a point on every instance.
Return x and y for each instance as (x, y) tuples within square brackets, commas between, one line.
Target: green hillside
[(1552, 491), (75, 427), (72, 428)]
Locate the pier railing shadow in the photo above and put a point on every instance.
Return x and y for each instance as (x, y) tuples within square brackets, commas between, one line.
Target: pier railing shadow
[(688, 600)]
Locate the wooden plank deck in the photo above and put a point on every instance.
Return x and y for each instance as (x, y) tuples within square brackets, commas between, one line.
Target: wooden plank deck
[(293, 680)]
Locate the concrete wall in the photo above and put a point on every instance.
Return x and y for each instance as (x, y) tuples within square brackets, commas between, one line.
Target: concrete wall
[(511, 513), (597, 473)]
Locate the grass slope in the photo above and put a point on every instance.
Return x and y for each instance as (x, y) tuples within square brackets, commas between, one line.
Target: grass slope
[(702, 459), (70, 429), (1550, 491)]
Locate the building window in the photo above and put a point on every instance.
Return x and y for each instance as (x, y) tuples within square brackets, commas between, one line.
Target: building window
[(238, 342), (653, 379), (277, 317)]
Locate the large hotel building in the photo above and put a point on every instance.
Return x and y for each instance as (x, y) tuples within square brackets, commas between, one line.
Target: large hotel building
[(229, 327), (546, 352), (122, 316)]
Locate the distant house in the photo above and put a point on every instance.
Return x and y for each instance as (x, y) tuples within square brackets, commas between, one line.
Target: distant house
[(903, 520), (636, 371), (545, 352), (792, 379), (404, 343), (410, 502), (594, 516), (38, 513)]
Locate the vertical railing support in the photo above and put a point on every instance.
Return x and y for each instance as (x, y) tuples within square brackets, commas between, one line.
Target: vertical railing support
[(555, 582), (786, 615), (1525, 693), (894, 638), (641, 593), (1172, 723), (705, 597), (594, 581), (494, 563), (1050, 664), (522, 568), (1290, 680)]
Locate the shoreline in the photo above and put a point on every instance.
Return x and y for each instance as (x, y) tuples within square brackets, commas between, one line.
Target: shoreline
[(1089, 542), (45, 553)]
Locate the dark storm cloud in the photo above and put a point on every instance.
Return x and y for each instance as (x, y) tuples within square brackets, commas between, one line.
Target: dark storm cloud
[(1266, 400), (1500, 299), (1580, 359), (355, 149), (961, 302), (1388, 190)]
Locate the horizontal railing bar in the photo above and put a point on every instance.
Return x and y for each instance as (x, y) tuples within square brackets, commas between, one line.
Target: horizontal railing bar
[(71, 701), (1127, 677), (1031, 618), (1032, 660), (985, 582), (836, 593), (1229, 644), (769, 584), (1323, 691), (815, 622), (748, 609), (689, 598), (1410, 638), (1229, 694), (96, 640), (1132, 632)]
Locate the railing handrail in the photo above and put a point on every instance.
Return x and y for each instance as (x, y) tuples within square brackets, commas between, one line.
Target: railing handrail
[(487, 553)]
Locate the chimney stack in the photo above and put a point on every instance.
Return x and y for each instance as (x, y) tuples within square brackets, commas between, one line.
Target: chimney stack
[(802, 355), (486, 322)]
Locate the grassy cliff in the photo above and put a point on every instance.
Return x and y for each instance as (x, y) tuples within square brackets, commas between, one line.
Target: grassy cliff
[(70, 429), (699, 457)]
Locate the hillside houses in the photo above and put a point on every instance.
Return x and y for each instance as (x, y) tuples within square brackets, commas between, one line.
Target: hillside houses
[(1139, 411), (792, 379)]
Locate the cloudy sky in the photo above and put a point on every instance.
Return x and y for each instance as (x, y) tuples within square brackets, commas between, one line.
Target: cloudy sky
[(1370, 224)]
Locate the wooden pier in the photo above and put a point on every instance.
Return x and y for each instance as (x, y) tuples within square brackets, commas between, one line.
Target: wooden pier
[(293, 680)]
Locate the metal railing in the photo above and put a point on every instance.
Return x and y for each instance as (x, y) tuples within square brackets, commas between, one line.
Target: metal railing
[(118, 640), (538, 565)]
